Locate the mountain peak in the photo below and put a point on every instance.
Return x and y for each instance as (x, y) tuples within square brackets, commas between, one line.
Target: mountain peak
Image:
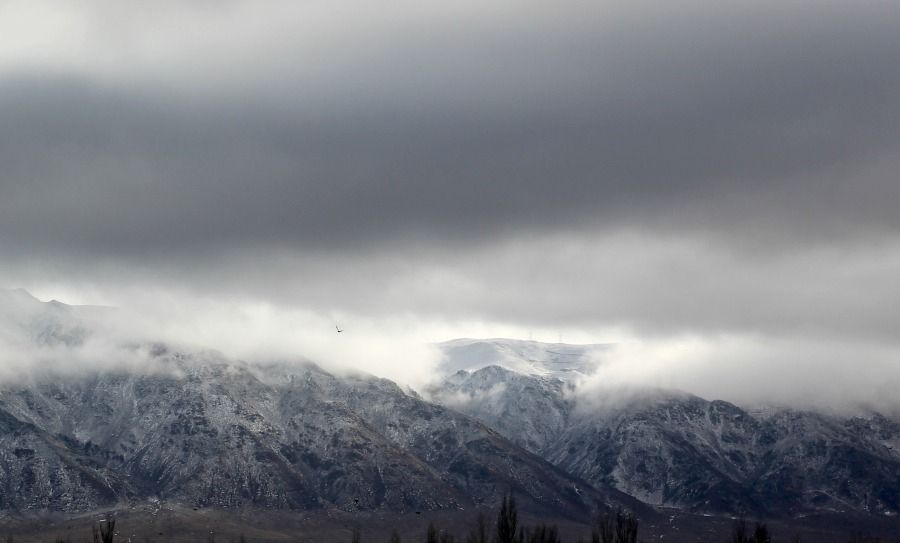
[(17, 294), (561, 360)]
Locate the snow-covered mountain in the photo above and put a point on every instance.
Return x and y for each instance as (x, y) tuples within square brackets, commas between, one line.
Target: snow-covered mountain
[(198, 429), (677, 450), (532, 410), (559, 360)]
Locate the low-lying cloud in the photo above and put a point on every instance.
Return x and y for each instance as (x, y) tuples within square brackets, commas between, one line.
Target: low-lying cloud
[(36, 336), (751, 371), (245, 176)]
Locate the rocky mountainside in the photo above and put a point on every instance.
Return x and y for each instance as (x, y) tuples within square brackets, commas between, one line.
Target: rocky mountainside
[(198, 429), (678, 450), (209, 432), (532, 410)]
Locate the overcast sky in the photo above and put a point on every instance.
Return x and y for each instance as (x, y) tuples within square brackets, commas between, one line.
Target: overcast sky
[(652, 173)]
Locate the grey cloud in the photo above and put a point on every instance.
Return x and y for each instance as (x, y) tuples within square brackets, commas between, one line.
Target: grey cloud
[(688, 169), (652, 287), (748, 370), (753, 123)]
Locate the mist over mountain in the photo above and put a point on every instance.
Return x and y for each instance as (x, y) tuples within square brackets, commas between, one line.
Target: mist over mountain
[(201, 430), (138, 423), (279, 260), (566, 362), (670, 448)]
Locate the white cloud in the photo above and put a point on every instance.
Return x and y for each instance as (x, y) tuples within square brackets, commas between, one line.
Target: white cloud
[(752, 370)]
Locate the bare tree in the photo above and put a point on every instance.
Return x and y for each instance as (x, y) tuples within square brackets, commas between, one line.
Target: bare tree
[(543, 534), (604, 531), (619, 528), (480, 533), (626, 527), (104, 531), (507, 521), (761, 534), (740, 533)]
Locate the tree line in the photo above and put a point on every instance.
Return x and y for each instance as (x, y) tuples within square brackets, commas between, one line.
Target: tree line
[(618, 527), (611, 527)]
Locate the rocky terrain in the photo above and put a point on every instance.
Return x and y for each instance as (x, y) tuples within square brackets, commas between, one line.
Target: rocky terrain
[(196, 429), (678, 450), (216, 433)]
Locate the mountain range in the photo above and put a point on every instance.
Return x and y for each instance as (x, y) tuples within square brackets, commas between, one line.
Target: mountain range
[(199, 429), (196, 428), (673, 449)]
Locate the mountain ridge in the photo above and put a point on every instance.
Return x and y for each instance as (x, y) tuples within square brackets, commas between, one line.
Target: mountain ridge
[(673, 449), (196, 428)]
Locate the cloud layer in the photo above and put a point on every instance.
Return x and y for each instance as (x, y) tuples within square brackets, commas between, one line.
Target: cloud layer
[(588, 168)]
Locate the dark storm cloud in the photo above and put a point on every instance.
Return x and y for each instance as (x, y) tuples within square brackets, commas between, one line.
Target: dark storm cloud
[(747, 123), (691, 168), (712, 183)]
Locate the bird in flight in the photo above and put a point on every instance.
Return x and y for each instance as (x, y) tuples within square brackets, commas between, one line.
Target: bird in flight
[(338, 328)]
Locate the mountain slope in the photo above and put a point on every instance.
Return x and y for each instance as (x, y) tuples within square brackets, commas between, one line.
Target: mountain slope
[(212, 433), (531, 410), (198, 429), (678, 450), (39, 471)]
